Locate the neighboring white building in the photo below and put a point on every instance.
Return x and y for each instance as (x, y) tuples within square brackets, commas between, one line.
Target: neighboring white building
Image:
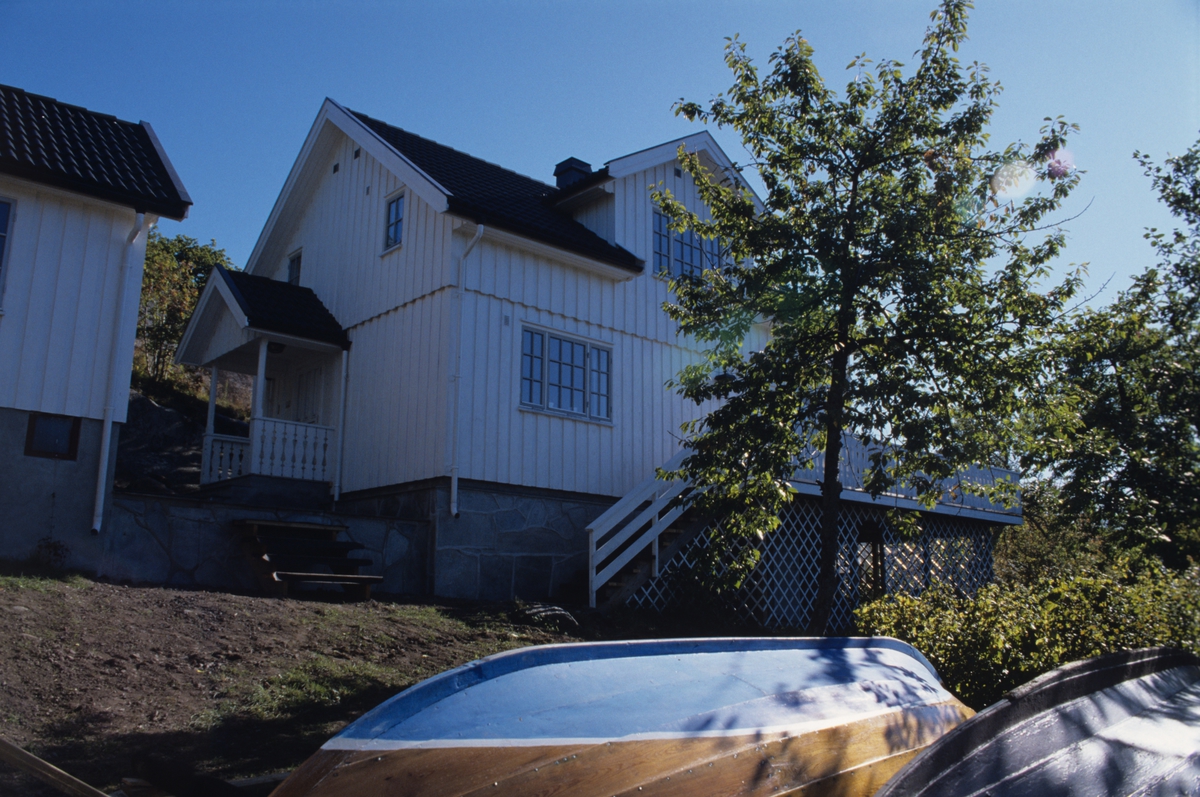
[(78, 192), (437, 338)]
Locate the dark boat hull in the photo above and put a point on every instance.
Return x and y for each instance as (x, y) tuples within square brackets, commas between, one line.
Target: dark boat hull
[(1123, 724)]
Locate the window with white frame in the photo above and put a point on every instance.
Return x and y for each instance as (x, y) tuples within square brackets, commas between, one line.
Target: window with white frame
[(294, 269), (395, 222), (567, 375), (679, 254)]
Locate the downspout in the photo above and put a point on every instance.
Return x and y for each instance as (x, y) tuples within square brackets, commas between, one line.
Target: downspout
[(457, 375), (109, 402)]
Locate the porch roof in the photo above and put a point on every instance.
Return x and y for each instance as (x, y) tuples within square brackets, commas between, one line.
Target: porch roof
[(275, 306), (236, 309)]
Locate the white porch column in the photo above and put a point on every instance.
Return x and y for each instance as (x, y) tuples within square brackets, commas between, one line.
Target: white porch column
[(256, 412), (212, 401), (341, 427), (209, 428), (260, 380)]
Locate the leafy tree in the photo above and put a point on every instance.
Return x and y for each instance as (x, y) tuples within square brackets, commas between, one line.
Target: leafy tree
[(1126, 451), (175, 271), (899, 284)]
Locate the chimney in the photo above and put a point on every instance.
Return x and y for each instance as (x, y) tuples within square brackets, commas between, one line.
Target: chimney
[(571, 171)]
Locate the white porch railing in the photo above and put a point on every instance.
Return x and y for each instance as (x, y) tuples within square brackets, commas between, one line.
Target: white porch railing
[(855, 461), (291, 450), (274, 448), (640, 517), (224, 457)]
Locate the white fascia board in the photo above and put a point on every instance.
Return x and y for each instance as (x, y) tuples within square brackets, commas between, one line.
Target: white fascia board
[(293, 340), (899, 502), (664, 153), (338, 117), (215, 285), (92, 203), (702, 142), (170, 167), (414, 178), (506, 238)]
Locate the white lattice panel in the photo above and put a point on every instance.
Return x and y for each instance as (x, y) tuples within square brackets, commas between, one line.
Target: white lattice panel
[(782, 589)]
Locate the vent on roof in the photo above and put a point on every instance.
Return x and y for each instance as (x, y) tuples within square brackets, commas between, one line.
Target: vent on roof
[(571, 171)]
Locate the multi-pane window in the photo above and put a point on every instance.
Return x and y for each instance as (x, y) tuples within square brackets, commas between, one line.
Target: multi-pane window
[(687, 255), (679, 254), (294, 269), (5, 210), (395, 222), (600, 374), (565, 375), (532, 344), (662, 244)]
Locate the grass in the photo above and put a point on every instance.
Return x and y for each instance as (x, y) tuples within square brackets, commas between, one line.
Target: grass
[(367, 654), (16, 576)]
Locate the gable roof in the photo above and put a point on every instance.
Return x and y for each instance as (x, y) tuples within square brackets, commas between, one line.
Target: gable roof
[(275, 306), (50, 142), (492, 195)]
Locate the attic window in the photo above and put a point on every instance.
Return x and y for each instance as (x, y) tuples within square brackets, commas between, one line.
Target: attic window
[(294, 269), (395, 222), (678, 172), (335, 168), (357, 152), (683, 254)]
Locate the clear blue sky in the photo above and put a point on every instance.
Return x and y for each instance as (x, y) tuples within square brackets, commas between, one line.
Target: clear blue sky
[(232, 87)]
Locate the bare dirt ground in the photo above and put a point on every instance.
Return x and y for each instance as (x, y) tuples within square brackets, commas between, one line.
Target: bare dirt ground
[(98, 678)]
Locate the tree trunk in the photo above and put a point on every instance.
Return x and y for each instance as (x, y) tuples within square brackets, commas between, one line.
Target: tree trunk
[(831, 497)]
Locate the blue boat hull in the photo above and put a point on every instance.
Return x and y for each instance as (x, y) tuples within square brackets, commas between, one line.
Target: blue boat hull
[(686, 717)]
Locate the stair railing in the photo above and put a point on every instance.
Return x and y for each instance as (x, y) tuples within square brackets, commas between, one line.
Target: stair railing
[(633, 523)]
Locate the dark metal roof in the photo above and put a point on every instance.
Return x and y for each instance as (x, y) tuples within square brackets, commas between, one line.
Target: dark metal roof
[(490, 194), (274, 306), (50, 142)]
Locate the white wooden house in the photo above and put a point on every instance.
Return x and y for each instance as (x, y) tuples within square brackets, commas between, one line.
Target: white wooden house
[(447, 340), (78, 192)]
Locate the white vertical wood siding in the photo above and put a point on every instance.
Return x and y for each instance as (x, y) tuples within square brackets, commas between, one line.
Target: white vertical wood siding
[(341, 235), (600, 217), (398, 396), (60, 279), (402, 318), (499, 441)]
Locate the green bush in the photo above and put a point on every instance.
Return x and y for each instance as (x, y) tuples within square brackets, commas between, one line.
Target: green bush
[(1008, 634)]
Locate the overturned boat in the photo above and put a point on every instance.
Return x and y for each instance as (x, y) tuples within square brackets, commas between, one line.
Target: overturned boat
[(1122, 724), (659, 717)]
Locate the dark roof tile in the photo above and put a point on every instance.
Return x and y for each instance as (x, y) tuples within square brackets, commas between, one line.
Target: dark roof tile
[(48, 141), (491, 194), (274, 306)]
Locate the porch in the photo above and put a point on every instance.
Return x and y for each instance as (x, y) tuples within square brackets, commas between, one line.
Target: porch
[(296, 351), (296, 414)]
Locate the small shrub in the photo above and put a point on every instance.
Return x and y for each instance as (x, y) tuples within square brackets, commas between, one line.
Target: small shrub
[(1006, 635)]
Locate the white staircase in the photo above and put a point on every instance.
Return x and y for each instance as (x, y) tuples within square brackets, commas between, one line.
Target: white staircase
[(632, 525)]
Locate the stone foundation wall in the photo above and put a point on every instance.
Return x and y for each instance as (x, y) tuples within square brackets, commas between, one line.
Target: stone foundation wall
[(189, 543), (507, 542)]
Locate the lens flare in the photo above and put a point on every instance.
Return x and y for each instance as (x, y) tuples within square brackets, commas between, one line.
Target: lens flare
[(1060, 164), (1013, 180)]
